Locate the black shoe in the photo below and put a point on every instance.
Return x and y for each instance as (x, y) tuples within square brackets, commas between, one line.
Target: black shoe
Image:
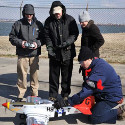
[(18, 99)]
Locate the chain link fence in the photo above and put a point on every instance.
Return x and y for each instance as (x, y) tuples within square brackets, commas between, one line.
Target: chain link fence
[(110, 21)]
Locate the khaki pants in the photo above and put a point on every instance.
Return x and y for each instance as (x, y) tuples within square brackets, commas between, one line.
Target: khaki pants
[(22, 70)]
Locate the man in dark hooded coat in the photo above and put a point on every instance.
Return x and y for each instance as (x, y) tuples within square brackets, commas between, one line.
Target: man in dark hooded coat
[(61, 32)]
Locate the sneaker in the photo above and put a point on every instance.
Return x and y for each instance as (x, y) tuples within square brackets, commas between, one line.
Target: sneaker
[(18, 99), (122, 108), (52, 99)]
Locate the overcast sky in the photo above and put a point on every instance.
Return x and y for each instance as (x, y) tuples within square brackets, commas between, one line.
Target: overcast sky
[(105, 16), (69, 3)]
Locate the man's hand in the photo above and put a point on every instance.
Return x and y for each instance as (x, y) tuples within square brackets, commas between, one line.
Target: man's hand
[(60, 103), (23, 44), (35, 44), (51, 54), (64, 45)]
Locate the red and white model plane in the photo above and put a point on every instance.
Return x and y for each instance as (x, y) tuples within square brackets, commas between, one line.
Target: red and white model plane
[(38, 111)]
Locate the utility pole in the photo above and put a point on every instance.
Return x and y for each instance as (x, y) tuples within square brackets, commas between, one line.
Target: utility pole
[(21, 9), (87, 7)]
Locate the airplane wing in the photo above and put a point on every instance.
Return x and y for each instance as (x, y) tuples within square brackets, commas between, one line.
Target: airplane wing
[(42, 117), (38, 111), (49, 111)]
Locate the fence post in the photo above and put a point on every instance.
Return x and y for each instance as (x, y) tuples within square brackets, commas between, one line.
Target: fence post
[(87, 7), (21, 9)]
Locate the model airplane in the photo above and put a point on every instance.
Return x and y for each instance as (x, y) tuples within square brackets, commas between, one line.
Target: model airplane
[(38, 111)]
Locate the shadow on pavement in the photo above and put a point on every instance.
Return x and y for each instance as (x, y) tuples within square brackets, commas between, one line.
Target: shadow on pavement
[(69, 119), (16, 120), (72, 119), (9, 89)]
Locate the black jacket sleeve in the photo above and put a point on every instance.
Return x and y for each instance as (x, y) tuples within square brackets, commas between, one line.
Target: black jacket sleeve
[(98, 38), (40, 40), (13, 36), (47, 35), (73, 32)]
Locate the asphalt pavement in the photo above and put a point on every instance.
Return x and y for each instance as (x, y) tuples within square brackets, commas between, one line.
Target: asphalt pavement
[(8, 90)]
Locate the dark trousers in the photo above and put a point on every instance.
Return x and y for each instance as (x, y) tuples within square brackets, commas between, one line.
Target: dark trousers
[(55, 68), (102, 112)]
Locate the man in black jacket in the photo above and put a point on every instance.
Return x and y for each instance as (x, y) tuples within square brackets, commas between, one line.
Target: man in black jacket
[(61, 32), (27, 36)]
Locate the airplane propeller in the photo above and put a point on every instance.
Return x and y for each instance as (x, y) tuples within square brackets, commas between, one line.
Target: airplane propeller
[(5, 105)]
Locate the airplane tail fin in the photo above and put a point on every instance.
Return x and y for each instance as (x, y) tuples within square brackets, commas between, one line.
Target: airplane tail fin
[(86, 105)]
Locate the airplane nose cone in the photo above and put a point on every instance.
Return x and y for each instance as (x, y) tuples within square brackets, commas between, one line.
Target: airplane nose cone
[(7, 104), (4, 104)]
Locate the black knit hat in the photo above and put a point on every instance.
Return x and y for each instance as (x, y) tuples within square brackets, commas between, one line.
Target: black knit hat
[(85, 53), (28, 9)]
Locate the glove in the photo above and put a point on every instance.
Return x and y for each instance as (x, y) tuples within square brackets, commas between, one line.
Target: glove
[(60, 103), (65, 44), (51, 54), (58, 47)]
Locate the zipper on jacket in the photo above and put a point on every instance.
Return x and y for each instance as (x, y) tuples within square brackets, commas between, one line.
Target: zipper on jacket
[(33, 31)]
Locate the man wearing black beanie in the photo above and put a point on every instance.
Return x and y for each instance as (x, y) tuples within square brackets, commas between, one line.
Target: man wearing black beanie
[(27, 35), (102, 82), (85, 53)]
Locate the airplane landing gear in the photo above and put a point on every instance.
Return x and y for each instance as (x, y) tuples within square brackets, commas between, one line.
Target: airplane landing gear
[(22, 116)]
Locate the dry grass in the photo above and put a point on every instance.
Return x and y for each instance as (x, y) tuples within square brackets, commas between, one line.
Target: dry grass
[(113, 49)]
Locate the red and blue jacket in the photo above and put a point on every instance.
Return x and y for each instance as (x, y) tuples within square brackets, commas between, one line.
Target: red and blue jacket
[(101, 81)]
